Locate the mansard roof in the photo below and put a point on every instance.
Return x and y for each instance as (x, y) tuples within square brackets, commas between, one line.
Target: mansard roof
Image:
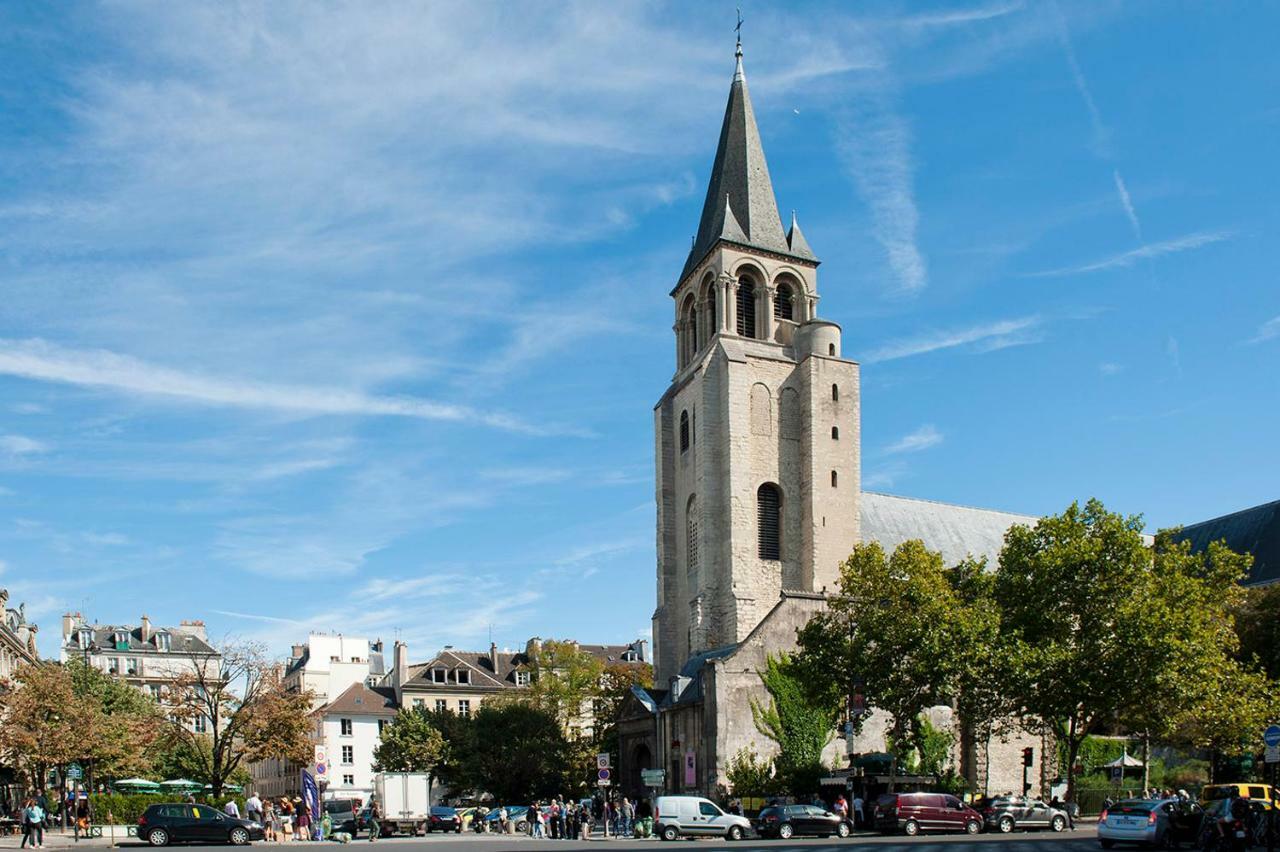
[(740, 206), (1255, 531), (182, 639), (362, 700)]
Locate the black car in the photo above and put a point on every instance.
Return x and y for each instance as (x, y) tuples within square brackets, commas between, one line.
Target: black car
[(161, 825), (444, 819), (785, 821)]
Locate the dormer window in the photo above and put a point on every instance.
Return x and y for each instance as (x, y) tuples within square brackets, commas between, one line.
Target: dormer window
[(522, 678), (120, 639), (438, 675), (85, 637), (163, 641), (464, 675), (628, 656)]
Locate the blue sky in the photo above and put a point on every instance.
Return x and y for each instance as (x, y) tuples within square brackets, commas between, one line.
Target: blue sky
[(351, 316)]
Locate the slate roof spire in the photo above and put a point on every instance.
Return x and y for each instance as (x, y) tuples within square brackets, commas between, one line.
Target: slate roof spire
[(739, 192)]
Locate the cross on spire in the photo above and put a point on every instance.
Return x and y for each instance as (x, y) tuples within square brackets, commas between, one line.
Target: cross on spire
[(738, 30)]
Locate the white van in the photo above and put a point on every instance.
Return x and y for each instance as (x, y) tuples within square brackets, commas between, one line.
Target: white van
[(694, 816)]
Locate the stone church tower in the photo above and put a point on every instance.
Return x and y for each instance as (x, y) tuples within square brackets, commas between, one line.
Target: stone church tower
[(757, 436)]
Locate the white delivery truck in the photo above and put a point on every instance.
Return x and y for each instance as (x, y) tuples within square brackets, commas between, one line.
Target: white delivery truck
[(404, 800)]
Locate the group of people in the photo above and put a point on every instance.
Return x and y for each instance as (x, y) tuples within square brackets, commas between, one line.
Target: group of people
[(561, 819), (33, 816), (850, 812), (283, 819)]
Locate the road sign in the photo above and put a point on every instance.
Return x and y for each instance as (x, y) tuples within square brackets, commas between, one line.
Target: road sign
[(1271, 736), (653, 777), (74, 772), (1273, 754), (602, 774), (603, 782), (602, 761)]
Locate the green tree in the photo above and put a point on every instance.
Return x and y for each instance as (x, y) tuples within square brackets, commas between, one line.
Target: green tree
[(565, 681), (409, 743), (515, 752), (1257, 619), (613, 687), (46, 724), (750, 775), (920, 635), (792, 719)]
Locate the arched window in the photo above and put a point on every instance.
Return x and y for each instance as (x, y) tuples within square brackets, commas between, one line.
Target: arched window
[(831, 349), (691, 535), (835, 433), (782, 302), (834, 478), (769, 521), (835, 393), (684, 431), (747, 307)]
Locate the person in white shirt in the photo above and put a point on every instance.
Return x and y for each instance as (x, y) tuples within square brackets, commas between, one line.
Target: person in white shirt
[(231, 809), (253, 808), (860, 818)]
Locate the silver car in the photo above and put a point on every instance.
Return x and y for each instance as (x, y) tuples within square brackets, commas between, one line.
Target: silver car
[(1144, 821)]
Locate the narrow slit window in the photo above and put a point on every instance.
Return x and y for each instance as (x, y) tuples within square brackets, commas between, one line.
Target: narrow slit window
[(834, 478), (835, 393), (831, 349), (768, 519), (835, 433), (684, 431)]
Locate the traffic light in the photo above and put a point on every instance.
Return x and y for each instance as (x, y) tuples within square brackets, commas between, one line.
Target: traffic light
[(1028, 755)]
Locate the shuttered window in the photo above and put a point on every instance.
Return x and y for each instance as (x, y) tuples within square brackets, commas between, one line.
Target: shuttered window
[(691, 536), (684, 431), (782, 302), (747, 308), (768, 520)]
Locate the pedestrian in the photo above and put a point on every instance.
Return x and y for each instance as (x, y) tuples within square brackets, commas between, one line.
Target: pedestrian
[(34, 818), (535, 821), (628, 817), (503, 817), (231, 809), (584, 823), (253, 808), (553, 821), (269, 822), (841, 808), (859, 818), (375, 814), (302, 820)]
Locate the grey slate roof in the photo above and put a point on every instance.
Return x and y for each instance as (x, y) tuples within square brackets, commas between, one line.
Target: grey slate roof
[(1255, 530), (798, 244), (740, 206), (182, 641), (956, 531)]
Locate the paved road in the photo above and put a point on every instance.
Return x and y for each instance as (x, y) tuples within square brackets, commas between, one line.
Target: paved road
[(1081, 840)]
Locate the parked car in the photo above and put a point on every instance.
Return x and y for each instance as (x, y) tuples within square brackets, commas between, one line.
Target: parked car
[(444, 819), (344, 815), (912, 813), (1006, 813), (1256, 792), (519, 814), (784, 821), (694, 816), (163, 824), (1163, 823)]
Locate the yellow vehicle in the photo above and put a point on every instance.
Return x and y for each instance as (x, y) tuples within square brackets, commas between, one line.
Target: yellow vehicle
[(1256, 792)]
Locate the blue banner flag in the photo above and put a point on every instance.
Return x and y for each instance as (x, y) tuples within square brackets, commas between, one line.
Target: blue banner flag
[(311, 795)]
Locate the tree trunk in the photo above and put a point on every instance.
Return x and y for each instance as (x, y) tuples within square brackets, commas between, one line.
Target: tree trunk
[(1146, 759), (1073, 750)]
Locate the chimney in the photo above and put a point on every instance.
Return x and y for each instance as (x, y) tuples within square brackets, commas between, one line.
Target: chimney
[(298, 651), (146, 630), (533, 647), (493, 657), (400, 669), (642, 650), (68, 625), (196, 628)]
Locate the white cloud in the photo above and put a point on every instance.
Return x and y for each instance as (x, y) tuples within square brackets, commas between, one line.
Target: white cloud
[(1129, 258), (43, 361), (875, 145), (1127, 203), (1269, 330), (985, 338), (1101, 135), (20, 445), (913, 442), (1108, 368)]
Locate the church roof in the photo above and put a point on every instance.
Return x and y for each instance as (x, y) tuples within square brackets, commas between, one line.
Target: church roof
[(1255, 530), (740, 206), (956, 531)]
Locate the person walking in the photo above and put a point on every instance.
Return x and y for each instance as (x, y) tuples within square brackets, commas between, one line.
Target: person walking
[(231, 809), (375, 814), (859, 819), (253, 808), (33, 817), (302, 820), (628, 816)]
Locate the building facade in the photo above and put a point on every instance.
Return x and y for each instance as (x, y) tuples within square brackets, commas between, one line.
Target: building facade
[(758, 485), (343, 674), (149, 657), (17, 638)]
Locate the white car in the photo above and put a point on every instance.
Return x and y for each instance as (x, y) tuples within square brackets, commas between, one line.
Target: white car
[(694, 816)]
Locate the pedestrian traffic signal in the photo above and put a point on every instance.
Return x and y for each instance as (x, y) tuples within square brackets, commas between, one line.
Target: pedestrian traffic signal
[(1028, 755)]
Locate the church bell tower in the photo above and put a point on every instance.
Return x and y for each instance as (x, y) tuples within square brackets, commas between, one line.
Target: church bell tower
[(757, 436)]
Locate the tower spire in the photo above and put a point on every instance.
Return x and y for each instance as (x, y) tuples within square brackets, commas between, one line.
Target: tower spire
[(740, 174)]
